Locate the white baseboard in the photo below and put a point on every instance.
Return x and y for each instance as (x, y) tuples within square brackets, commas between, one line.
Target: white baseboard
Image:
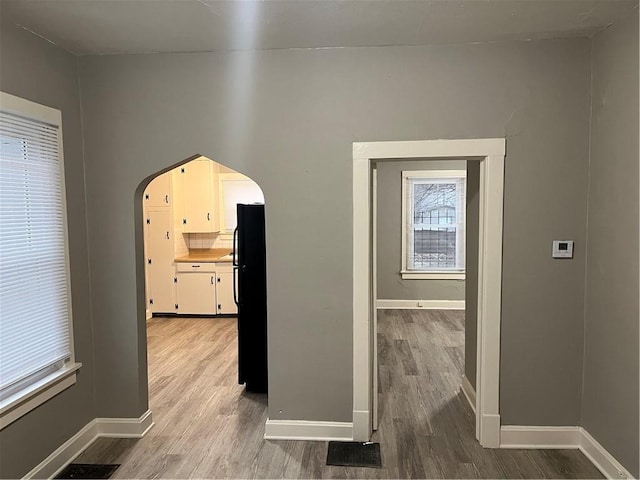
[(305, 430), (98, 427), (601, 458), (65, 453), (469, 392), (125, 427), (564, 437), (539, 437), (362, 425), (421, 304), (489, 430), (148, 314)]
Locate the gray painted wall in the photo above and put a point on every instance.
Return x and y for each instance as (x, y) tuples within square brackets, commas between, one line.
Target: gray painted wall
[(287, 118), (389, 255), (610, 401), (471, 293), (38, 71)]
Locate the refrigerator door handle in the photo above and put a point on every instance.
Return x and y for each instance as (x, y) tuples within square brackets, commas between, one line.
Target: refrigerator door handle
[(234, 255), (235, 290)]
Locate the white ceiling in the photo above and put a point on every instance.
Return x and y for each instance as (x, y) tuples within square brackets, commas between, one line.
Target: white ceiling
[(137, 26)]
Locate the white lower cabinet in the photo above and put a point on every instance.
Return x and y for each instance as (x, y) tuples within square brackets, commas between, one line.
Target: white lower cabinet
[(204, 289), (196, 289), (224, 292)]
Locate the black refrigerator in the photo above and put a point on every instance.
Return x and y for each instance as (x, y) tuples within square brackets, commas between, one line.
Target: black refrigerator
[(250, 294)]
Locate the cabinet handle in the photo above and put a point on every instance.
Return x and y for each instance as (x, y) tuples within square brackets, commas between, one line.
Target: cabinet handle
[(208, 216), (166, 199), (218, 279), (167, 235), (211, 280), (195, 266)]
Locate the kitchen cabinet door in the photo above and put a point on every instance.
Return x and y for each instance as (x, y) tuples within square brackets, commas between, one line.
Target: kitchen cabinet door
[(196, 293), (177, 188), (200, 197), (158, 192), (224, 292), (159, 266)]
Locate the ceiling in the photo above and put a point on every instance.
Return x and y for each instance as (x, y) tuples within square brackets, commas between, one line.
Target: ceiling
[(138, 26)]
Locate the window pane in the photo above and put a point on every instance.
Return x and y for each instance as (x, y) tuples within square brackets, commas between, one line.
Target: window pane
[(238, 191), (434, 203), (434, 248)]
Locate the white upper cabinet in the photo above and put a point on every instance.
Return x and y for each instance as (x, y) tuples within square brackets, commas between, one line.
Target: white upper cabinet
[(158, 192), (199, 196)]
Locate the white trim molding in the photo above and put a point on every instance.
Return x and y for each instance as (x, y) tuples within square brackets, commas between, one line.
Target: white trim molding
[(413, 275), (98, 427), (601, 458), (125, 427), (17, 405), (65, 453), (490, 154), (306, 430), (564, 438), (539, 437), (420, 304), (469, 392)]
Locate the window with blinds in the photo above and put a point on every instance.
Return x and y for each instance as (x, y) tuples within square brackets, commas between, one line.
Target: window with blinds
[(434, 216), (35, 303)]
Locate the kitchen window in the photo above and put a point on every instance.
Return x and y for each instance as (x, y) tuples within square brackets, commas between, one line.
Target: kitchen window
[(433, 212), (236, 188), (36, 344)]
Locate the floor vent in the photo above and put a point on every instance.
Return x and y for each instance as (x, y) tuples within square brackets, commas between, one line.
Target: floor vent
[(354, 454), (85, 470)]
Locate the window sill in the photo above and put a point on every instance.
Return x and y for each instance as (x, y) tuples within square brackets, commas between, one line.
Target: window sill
[(410, 275), (22, 402)]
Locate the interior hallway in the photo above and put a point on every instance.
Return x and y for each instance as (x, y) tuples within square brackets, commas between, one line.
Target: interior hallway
[(207, 427)]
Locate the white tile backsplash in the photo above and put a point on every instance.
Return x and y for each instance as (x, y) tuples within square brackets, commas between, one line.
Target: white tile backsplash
[(181, 244), (202, 240), (224, 241)]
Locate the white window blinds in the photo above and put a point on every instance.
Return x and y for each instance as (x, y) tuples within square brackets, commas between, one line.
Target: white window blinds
[(35, 309)]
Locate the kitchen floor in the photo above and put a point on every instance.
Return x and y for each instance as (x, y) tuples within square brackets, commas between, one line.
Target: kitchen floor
[(207, 427)]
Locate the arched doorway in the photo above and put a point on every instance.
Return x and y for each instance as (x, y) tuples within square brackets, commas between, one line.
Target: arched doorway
[(186, 222)]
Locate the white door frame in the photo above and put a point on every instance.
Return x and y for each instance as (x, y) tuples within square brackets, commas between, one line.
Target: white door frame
[(374, 295), (490, 153)]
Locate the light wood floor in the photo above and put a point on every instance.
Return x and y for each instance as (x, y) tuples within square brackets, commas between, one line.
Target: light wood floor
[(207, 427)]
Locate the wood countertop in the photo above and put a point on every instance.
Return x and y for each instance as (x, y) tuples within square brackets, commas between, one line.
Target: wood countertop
[(213, 255)]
